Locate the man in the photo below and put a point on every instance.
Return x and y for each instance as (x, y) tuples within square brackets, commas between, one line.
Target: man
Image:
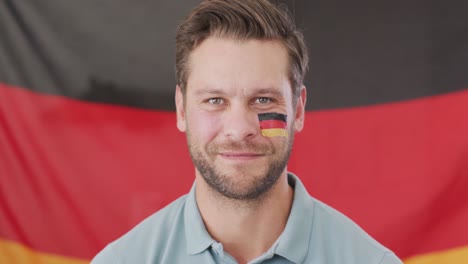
[(240, 99)]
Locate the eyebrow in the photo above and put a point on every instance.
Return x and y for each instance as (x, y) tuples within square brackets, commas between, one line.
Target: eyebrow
[(209, 91), (261, 91), (269, 91)]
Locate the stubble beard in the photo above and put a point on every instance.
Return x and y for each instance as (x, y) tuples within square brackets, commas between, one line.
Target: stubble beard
[(227, 185)]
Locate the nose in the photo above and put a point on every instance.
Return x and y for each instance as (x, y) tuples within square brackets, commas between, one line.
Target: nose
[(240, 123)]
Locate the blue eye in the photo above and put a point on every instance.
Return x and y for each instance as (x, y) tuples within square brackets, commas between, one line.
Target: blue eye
[(215, 101)]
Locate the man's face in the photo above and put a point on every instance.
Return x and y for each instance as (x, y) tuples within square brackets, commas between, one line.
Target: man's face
[(229, 84)]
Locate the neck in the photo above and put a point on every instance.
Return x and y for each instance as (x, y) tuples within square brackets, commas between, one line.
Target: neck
[(246, 229)]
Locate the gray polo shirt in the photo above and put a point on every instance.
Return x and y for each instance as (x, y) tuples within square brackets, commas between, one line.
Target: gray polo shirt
[(314, 233)]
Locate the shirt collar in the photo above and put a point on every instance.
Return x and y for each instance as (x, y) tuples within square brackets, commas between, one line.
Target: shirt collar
[(196, 235), (294, 242)]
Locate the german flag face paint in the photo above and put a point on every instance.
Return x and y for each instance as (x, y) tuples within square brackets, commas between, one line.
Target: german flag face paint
[(273, 125)]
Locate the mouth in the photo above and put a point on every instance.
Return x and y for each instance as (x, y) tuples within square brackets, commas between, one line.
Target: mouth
[(240, 156)]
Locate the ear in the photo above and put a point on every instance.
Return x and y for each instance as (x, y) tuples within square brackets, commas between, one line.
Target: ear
[(300, 110), (179, 101)]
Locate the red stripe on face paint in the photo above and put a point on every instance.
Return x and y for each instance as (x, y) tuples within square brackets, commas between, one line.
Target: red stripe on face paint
[(265, 124)]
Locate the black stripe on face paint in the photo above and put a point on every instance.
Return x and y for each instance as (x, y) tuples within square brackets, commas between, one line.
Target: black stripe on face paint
[(272, 116)]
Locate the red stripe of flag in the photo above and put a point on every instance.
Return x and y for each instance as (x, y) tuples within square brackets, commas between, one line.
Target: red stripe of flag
[(92, 171), (266, 124)]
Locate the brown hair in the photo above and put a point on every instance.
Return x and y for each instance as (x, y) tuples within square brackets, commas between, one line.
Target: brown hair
[(242, 20)]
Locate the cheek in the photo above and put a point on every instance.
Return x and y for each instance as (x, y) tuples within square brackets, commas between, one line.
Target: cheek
[(204, 126)]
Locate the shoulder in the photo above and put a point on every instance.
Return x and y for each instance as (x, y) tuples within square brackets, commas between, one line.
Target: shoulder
[(343, 241), (145, 242)]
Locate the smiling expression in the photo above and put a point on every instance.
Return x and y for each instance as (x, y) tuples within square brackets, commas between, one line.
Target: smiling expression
[(230, 82)]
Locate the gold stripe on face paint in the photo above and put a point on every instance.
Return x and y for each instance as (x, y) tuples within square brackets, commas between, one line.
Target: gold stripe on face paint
[(274, 132)]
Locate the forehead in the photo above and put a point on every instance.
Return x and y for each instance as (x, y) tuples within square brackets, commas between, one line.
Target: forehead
[(224, 63)]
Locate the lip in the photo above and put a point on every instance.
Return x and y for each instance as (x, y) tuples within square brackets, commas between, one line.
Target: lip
[(240, 156)]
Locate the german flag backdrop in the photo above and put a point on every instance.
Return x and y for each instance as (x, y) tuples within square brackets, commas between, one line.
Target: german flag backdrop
[(89, 146)]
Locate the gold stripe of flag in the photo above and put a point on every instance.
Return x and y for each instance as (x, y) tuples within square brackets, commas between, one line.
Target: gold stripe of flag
[(274, 132), (451, 256), (16, 253)]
